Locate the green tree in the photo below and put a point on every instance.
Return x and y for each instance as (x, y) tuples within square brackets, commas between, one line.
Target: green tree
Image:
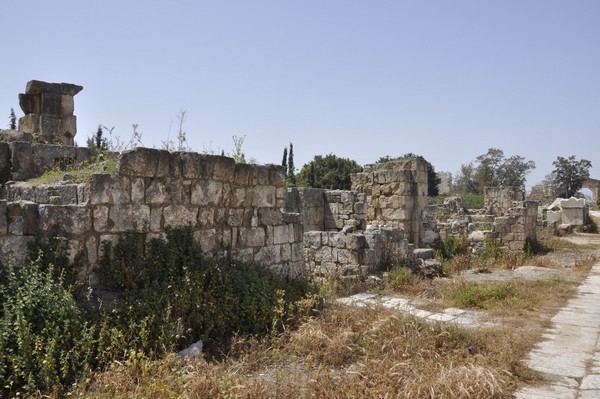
[(291, 169), (492, 169), (433, 180), (569, 175), (284, 161), (98, 141), (12, 120), (329, 172)]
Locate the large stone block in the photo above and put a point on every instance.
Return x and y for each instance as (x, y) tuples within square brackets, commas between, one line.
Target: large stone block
[(67, 104), (141, 162), (29, 104), (39, 87), (197, 166), (179, 216), (123, 218), (165, 191), (252, 237), (30, 123), (67, 129), (243, 173), (22, 217), (49, 125), (224, 169), (52, 104), (14, 249), (70, 89), (263, 196), (109, 189), (64, 220), (206, 192)]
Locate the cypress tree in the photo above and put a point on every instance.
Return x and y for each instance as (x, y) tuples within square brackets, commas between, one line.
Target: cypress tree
[(13, 120), (284, 161), (290, 166)]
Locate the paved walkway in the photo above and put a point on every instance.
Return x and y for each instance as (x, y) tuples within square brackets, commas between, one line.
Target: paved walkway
[(461, 317), (569, 355)]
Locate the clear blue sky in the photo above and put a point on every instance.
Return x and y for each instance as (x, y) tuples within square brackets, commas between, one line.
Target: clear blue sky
[(360, 79)]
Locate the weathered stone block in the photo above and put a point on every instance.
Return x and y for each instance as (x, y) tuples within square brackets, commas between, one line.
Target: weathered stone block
[(243, 172), (161, 191), (29, 103), (64, 220), (207, 239), (109, 189), (224, 169), (49, 125), (270, 216), (156, 219), (70, 89), (30, 123), (123, 218), (207, 192), (141, 162), (179, 216), (67, 104), (169, 165), (14, 249), (138, 190), (263, 196), (22, 218), (206, 217), (52, 104), (196, 166), (39, 87)]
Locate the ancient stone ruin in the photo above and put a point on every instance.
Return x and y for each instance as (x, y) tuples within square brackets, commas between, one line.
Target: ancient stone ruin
[(48, 109), (232, 208)]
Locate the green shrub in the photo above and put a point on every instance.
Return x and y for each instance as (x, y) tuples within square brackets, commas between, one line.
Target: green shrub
[(491, 250), (44, 338), (452, 246), (472, 201), (402, 277), (481, 296), (175, 295)]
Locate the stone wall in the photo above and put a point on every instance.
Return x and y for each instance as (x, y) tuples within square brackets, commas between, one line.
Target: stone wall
[(396, 195), (498, 200), (229, 206), (340, 254), (517, 226), (29, 160)]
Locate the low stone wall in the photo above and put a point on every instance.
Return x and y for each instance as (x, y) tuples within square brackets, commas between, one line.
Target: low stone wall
[(517, 226), (338, 254), (229, 206), (29, 160), (498, 200)]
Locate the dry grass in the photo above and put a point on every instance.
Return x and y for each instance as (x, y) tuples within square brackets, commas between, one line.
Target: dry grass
[(344, 353)]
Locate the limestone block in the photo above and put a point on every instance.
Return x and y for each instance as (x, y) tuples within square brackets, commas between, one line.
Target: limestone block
[(67, 104), (243, 172), (70, 89), (156, 219), (67, 128), (164, 191), (49, 125), (277, 175), (312, 239), (281, 234), (207, 192), (179, 216), (207, 240), (263, 196), (30, 123), (109, 189), (138, 190), (325, 254), (245, 254), (141, 162), (235, 217), (261, 175), (224, 169), (3, 217), (52, 104), (252, 237), (270, 216), (197, 166), (14, 249), (64, 219), (91, 247), (123, 218), (238, 198), (206, 217), (22, 217), (268, 255), (100, 218), (83, 194), (29, 103)]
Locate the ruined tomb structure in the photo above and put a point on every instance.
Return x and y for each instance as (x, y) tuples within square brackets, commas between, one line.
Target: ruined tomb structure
[(48, 109)]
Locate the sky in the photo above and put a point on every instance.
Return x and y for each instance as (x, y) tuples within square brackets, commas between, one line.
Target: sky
[(359, 79)]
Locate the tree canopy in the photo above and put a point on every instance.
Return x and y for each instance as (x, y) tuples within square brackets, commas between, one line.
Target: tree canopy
[(492, 169), (329, 172), (433, 180), (569, 175)]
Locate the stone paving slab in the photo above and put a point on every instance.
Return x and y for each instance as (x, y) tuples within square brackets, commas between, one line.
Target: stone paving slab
[(569, 356)]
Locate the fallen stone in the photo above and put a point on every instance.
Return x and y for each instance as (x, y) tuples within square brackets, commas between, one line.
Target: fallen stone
[(192, 352)]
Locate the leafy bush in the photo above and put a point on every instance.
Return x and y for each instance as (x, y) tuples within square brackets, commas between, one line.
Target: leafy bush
[(451, 246), (176, 295), (44, 338)]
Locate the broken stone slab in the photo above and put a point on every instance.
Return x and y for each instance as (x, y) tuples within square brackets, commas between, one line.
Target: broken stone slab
[(193, 351), (39, 87)]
